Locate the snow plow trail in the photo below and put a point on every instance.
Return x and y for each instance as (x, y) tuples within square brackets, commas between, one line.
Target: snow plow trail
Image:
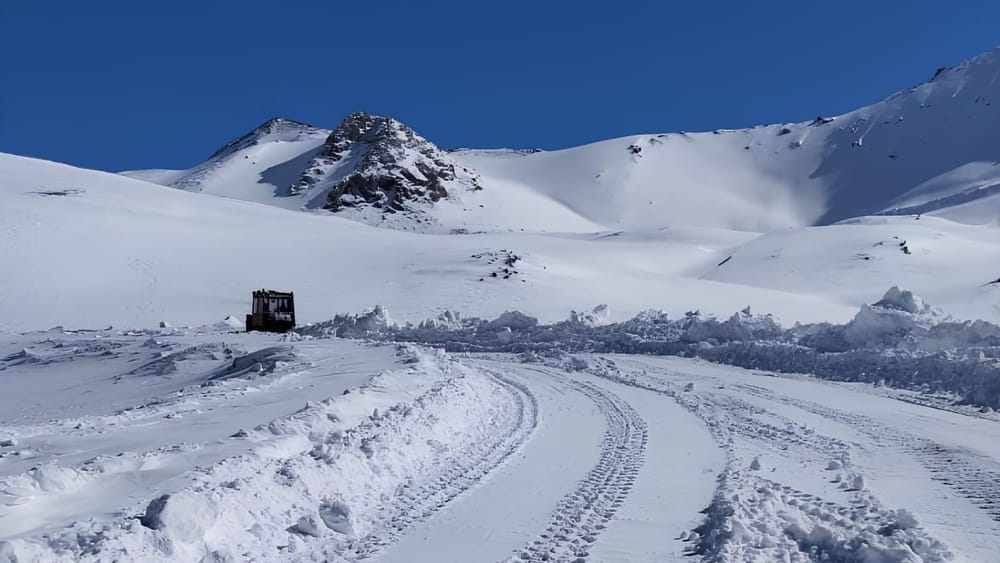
[(596, 482), (458, 472), (500, 515), (407, 454), (829, 472), (583, 515)]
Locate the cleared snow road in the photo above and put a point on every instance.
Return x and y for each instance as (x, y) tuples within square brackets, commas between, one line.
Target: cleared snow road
[(809, 459), (613, 473), (447, 458), (515, 503)]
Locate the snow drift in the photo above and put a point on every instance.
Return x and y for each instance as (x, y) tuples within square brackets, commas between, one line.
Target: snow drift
[(898, 341)]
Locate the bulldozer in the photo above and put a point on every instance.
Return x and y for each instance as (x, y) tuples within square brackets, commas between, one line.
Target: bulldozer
[(272, 311)]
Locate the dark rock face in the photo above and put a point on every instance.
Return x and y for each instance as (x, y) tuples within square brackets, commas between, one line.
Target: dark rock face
[(378, 161)]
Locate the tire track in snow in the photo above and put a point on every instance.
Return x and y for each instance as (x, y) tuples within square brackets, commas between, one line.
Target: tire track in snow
[(583, 514), (770, 515), (974, 477), (461, 471)]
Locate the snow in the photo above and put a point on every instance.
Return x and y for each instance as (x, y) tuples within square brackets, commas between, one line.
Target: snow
[(855, 261), (495, 518), (141, 254), (929, 149), (932, 145), (742, 346), (95, 432), (400, 453), (261, 166)]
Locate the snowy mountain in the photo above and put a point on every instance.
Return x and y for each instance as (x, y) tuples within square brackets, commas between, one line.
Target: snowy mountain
[(673, 222), (931, 149), (140, 253), (703, 347), (379, 162)]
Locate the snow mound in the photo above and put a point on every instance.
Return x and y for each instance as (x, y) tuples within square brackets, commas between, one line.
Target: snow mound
[(261, 362), (903, 300), (513, 320), (336, 480), (888, 320), (597, 316), (885, 343)]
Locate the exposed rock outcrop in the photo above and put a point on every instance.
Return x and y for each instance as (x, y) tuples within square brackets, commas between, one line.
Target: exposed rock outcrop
[(379, 162)]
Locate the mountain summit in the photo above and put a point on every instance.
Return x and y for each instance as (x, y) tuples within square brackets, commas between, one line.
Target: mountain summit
[(376, 161), (274, 129)]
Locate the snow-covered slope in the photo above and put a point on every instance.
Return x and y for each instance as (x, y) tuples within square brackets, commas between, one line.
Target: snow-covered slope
[(930, 149), (89, 249), (263, 165), (84, 248), (949, 263), (369, 168)]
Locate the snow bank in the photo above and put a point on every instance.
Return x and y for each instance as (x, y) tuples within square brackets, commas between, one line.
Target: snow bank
[(899, 341), (334, 480)]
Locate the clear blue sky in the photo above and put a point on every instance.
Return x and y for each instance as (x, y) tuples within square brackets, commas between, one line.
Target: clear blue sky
[(124, 85)]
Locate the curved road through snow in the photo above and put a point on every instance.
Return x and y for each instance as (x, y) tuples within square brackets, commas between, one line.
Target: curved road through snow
[(467, 459)]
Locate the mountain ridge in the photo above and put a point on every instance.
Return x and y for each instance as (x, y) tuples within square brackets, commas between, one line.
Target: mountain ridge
[(936, 141)]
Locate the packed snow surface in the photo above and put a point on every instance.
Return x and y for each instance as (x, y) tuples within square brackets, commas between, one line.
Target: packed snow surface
[(195, 444)]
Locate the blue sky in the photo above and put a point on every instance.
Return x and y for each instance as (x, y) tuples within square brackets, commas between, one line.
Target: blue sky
[(125, 85)]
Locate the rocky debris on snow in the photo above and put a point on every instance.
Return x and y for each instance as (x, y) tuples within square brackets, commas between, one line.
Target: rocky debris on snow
[(502, 264), (61, 193), (376, 161), (901, 245)]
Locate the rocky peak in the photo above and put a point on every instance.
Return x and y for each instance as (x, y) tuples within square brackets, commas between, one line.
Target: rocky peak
[(350, 130), (376, 161)]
